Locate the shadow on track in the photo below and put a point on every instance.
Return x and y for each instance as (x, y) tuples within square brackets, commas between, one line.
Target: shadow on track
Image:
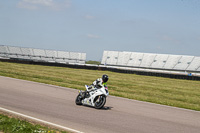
[(104, 108)]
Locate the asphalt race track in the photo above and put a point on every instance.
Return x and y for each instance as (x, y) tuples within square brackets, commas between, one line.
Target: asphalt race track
[(120, 115)]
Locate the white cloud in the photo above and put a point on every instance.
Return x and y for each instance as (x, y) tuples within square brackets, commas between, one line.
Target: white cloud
[(93, 36), (37, 4), (40, 2), (168, 38), (26, 6), (89, 17)]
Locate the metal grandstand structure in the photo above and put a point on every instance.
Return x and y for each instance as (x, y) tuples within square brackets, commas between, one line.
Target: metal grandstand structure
[(41, 55), (152, 62), (162, 65)]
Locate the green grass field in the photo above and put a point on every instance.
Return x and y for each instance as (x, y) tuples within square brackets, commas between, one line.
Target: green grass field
[(13, 125), (166, 91)]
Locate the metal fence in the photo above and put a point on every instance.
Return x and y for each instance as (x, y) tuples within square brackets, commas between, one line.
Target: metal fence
[(39, 55)]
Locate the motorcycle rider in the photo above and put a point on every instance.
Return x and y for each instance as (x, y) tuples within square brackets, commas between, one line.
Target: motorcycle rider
[(98, 83)]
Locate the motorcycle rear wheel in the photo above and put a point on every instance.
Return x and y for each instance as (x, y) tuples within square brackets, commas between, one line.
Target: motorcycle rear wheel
[(100, 102)]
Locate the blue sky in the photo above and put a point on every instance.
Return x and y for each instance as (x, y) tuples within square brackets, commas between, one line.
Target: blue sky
[(92, 26)]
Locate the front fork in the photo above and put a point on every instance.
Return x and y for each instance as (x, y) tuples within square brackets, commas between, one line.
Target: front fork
[(98, 99)]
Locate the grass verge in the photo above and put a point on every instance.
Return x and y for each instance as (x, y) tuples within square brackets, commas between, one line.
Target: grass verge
[(93, 62), (13, 125), (166, 91)]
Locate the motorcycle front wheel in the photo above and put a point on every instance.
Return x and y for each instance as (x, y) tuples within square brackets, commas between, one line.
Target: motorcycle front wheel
[(78, 100), (100, 102)]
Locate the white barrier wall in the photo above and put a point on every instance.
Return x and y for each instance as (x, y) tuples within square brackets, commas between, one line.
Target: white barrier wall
[(42, 55), (104, 58), (112, 58), (123, 58), (172, 61), (51, 55), (3, 51), (195, 64), (135, 59), (148, 60), (27, 51), (159, 61), (184, 62)]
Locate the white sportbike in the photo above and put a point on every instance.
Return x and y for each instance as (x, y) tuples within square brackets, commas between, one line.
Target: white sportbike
[(95, 98)]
